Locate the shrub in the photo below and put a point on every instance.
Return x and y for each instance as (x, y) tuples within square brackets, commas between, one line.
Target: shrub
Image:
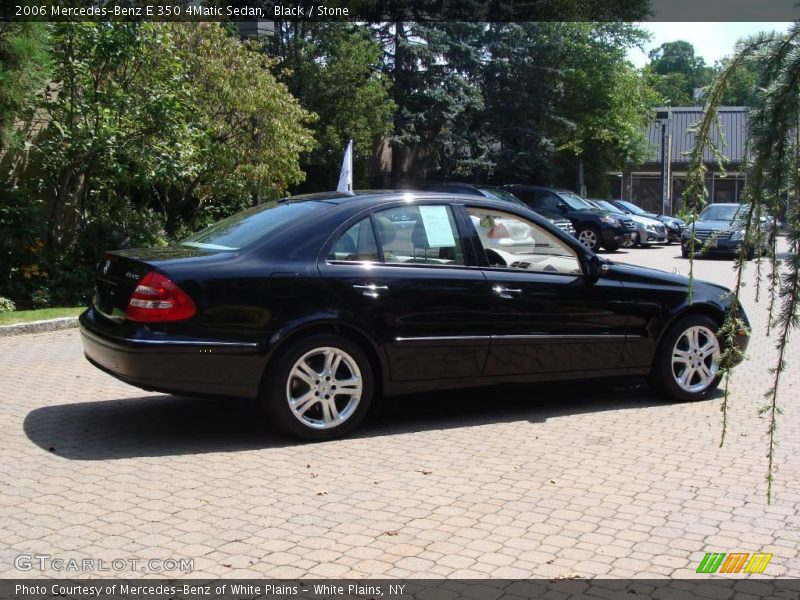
[(7, 305), (40, 298)]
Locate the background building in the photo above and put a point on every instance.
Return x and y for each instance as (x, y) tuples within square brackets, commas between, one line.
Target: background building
[(643, 184)]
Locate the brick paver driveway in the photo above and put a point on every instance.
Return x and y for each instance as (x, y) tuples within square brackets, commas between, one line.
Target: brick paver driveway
[(520, 482)]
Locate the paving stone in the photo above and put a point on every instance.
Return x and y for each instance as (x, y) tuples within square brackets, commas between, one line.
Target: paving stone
[(583, 479)]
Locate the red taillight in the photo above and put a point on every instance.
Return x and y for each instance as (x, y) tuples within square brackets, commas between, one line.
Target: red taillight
[(498, 231), (156, 300)]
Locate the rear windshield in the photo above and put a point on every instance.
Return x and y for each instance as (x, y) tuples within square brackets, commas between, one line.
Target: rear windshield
[(498, 194), (250, 225)]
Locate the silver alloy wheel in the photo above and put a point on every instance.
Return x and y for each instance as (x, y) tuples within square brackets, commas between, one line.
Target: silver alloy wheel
[(588, 238), (632, 241), (695, 359), (324, 388)]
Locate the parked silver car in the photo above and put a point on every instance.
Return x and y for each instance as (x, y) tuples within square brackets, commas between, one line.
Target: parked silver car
[(648, 230)]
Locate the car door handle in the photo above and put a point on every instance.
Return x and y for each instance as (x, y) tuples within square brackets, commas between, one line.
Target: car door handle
[(371, 290), (505, 292)]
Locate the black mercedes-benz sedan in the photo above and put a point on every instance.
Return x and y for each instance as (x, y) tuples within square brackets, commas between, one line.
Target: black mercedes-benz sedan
[(317, 304)]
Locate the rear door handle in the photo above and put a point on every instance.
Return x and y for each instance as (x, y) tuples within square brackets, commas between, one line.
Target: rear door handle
[(505, 292), (371, 290)]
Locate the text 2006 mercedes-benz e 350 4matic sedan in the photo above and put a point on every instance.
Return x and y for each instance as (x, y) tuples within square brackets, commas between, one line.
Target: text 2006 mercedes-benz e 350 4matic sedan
[(316, 304)]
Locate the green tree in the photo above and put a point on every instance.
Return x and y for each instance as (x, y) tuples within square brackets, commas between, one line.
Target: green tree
[(561, 93), (742, 88), (675, 72), (115, 116), (605, 100), (334, 70), (523, 86), (252, 129), (151, 129), (435, 70), (183, 119), (24, 68)]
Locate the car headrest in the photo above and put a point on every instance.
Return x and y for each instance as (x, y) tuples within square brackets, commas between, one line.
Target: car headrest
[(419, 236), (386, 229), (345, 244)]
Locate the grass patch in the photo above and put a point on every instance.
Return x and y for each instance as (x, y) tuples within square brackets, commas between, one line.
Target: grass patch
[(26, 316)]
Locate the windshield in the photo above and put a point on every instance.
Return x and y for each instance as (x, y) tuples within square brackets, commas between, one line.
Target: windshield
[(498, 194), (607, 205), (250, 225), (637, 210), (574, 201), (720, 212)]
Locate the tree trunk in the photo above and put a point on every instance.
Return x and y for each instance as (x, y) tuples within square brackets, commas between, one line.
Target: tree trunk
[(398, 95)]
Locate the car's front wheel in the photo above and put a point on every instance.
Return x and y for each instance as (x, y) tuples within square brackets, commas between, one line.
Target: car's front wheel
[(686, 365), (589, 237), (319, 388)]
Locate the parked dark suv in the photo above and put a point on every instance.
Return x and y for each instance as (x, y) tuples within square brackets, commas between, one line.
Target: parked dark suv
[(593, 227), (496, 193)]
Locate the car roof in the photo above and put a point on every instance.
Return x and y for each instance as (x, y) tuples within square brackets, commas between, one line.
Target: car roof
[(366, 198), (524, 186)]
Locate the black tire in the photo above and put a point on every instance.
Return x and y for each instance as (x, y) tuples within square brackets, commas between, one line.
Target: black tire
[(663, 376), (684, 251), (590, 237), (274, 393), (637, 241)]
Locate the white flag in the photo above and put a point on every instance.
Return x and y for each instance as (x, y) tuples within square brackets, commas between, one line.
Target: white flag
[(346, 175)]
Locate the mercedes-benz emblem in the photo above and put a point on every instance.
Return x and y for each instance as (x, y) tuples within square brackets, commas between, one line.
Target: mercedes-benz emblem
[(106, 267)]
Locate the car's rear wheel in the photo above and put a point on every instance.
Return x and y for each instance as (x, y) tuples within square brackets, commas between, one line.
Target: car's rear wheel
[(589, 237), (320, 387), (686, 365)]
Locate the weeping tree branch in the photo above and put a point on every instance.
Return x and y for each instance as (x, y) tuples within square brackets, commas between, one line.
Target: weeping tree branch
[(769, 124)]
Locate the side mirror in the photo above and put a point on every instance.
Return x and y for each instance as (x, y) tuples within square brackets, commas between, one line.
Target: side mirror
[(562, 208), (594, 268)]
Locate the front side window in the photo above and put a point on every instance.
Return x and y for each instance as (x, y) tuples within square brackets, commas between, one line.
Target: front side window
[(424, 234), (356, 244), (514, 242)]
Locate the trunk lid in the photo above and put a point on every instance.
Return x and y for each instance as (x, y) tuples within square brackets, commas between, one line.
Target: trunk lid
[(118, 274)]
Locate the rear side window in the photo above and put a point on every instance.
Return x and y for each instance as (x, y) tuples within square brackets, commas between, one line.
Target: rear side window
[(251, 225), (356, 244), (419, 235)]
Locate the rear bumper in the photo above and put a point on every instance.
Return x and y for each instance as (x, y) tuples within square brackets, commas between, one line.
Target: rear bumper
[(183, 366)]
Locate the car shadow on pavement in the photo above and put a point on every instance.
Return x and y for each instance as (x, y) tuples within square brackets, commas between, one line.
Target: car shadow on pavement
[(164, 425)]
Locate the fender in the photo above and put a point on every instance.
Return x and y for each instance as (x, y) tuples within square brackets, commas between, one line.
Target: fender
[(336, 321)]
